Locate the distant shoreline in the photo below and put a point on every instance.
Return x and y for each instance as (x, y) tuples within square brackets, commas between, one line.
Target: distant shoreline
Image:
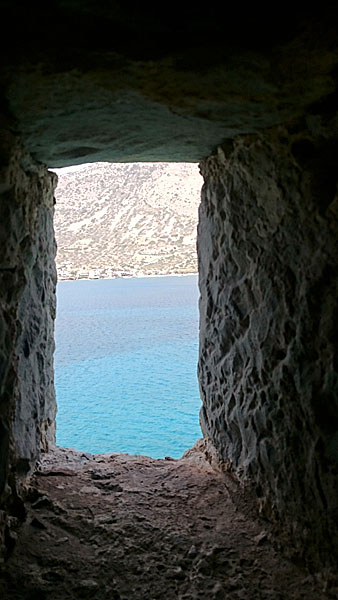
[(143, 276)]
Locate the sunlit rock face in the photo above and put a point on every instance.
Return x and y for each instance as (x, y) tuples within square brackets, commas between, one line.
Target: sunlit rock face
[(27, 310), (88, 81), (268, 278)]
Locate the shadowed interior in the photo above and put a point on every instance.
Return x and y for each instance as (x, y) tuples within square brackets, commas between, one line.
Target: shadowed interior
[(253, 97)]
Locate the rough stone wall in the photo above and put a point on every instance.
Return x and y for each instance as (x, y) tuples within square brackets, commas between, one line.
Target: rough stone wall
[(27, 310), (267, 246)]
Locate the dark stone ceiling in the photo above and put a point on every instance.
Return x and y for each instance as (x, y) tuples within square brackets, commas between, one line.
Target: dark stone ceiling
[(87, 81)]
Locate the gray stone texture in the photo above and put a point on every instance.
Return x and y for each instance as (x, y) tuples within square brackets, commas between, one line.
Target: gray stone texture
[(168, 89), (86, 81), (267, 245), (27, 310)]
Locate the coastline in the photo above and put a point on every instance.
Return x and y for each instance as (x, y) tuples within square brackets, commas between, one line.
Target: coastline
[(141, 276)]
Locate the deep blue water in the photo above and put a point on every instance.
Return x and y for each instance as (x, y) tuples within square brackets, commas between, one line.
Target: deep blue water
[(125, 365)]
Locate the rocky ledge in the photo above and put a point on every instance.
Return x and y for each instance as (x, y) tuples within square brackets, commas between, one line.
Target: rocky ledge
[(118, 527)]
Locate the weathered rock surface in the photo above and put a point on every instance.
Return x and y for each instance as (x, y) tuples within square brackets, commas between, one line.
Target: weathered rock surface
[(110, 85), (27, 311), (131, 527), (268, 269), (97, 81)]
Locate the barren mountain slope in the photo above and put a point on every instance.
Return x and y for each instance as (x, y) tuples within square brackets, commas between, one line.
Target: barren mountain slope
[(127, 219)]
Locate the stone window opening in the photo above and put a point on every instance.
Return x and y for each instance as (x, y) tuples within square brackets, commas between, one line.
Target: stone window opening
[(253, 96)]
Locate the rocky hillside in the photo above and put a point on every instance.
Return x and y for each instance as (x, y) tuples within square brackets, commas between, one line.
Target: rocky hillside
[(115, 220)]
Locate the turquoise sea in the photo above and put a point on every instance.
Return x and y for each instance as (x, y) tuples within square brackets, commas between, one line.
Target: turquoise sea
[(125, 365)]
